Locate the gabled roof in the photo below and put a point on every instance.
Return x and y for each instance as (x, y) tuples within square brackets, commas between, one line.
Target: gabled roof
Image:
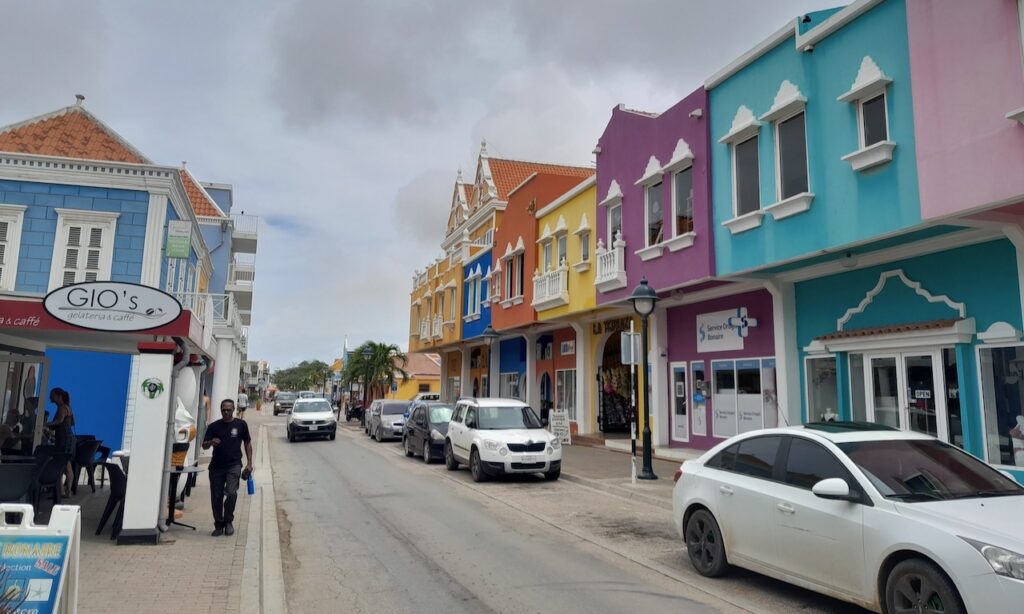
[(422, 365), (71, 132), (202, 204), (508, 174)]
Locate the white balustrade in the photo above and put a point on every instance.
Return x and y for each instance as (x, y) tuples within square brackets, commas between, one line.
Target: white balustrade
[(611, 264)]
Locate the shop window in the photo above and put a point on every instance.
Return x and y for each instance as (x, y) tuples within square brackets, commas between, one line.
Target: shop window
[(769, 391), (746, 177), (701, 391), (683, 201), (749, 402), (1002, 387), (508, 385), (565, 391), (743, 392), (614, 224), (858, 402), (952, 390), (11, 220), (655, 220), (424, 388), (680, 403), (822, 389), (791, 136), (724, 399)]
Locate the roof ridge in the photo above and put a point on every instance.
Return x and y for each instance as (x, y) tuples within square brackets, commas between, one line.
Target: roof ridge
[(78, 108), (558, 164), (202, 191)]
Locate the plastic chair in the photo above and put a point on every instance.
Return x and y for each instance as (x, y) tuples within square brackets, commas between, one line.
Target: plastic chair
[(85, 458), (102, 456), (118, 487), (16, 480), (48, 477)]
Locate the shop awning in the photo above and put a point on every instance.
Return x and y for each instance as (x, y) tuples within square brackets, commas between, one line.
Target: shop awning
[(896, 336)]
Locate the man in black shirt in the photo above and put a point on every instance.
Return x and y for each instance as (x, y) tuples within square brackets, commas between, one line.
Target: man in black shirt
[(226, 437)]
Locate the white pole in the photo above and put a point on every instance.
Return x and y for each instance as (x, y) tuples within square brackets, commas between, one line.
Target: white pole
[(632, 386)]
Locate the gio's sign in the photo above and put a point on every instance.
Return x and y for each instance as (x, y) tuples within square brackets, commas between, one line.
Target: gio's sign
[(112, 306)]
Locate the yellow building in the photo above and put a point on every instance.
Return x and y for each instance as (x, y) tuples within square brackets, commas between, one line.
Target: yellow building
[(424, 376)]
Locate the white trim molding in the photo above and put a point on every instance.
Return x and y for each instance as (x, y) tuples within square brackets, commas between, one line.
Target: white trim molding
[(682, 158), (1000, 333), (744, 126), (870, 81), (106, 220), (961, 331), (790, 206), (14, 216), (870, 156), (679, 242), (1016, 115), (154, 245), (650, 253), (613, 197), (564, 198), (745, 222), (916, 286), (788, 101), (652, 174)]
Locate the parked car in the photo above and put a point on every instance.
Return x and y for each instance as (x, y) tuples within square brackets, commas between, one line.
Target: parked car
[(891, 520), (499, 436), (283, 402), (427, 396), (312, 418), (386, 419), (426, 428), (309, 394)]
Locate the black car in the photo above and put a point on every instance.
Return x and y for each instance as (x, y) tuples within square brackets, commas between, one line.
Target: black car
[(426, 428), (283, 402)]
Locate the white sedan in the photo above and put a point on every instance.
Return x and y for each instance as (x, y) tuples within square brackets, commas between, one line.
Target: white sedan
[(894, 521)]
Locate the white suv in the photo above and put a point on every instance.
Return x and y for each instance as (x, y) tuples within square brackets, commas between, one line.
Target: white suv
[(498, 436)]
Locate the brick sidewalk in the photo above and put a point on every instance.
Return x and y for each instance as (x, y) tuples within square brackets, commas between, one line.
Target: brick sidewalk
[(189, 572)]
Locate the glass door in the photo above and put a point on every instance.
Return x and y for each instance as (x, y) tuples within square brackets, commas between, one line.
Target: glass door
[(905, 390), (680, 403), (884, 383)]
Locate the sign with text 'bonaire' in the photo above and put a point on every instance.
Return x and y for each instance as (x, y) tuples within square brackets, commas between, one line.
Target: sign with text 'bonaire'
[(112, 306), (723, 331), (33, 569)]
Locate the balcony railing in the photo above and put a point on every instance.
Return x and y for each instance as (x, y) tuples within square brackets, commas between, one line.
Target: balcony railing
[(245, 224), (551, 289), (611, 265), (241, 274), (438, 327), (212, 309)]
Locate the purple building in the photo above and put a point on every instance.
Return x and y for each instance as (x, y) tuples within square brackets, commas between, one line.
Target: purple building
[(712, 347)]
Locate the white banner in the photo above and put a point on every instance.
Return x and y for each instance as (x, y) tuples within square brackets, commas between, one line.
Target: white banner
[(723, 331)]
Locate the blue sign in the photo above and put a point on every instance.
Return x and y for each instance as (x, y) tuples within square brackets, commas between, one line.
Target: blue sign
[(32, 567)]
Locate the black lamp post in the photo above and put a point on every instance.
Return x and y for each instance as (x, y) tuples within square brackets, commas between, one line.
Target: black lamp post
[(643, 298), (367, 353), (489, 335)]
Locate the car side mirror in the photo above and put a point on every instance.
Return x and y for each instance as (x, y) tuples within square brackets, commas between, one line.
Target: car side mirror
[(833, 488)]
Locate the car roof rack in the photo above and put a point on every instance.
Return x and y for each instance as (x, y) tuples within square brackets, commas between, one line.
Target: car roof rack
[(847, 426)]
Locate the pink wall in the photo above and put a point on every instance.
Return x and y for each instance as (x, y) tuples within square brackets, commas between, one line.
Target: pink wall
[(967, 72)]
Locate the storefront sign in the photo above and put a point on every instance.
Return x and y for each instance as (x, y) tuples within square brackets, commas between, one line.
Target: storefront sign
[(179, 238), (112, 306), (558, 422), (611, 326), (32, 569), (723, 331)]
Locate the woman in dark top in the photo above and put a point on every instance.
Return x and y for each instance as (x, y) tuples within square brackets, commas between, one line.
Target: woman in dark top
[(63, 426)]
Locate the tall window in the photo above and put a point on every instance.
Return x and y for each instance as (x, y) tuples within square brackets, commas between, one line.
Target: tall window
[(585, 246), (84, 247), (510, 277), (440, 305), (565, 391), (547, 256), (11, 218), (471, 296), (792, 152), (873, 121), (614, 223), (1002, 389), (747, 188), (822, 389), (683, 201), (520, 273), (454, 306), (562, 250), (655, 220)]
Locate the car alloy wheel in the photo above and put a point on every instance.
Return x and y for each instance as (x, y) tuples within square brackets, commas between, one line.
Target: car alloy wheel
[(704, 544), (378, 435), (449, 457), (408, 448), (427, 456), (918, 586), (476, 468)]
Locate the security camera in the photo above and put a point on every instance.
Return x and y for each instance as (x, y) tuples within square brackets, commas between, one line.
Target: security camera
[(697, 113)]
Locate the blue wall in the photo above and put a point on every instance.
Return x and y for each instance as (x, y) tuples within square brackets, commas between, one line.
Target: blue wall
[(983, 277), (512, 357), (219, 243), (40, 227), (98, 385), (848, 206), (221, 197), (474, 328)]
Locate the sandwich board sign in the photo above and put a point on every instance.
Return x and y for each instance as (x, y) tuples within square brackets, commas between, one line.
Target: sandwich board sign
[(39, 563)]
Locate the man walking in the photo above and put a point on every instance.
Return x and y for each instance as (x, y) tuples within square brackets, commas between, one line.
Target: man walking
[(243, 404), (226, 437)]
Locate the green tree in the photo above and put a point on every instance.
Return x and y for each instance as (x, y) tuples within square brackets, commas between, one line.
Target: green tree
[(382, 368), (303, 376)]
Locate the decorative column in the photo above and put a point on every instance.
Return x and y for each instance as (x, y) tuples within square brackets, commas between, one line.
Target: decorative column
[(532, 384), (658, 358), (466, 380), (787, 359), (222, 380), (585, 410)]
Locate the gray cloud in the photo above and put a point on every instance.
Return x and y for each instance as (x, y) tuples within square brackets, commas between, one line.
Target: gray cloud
[(420, 212)]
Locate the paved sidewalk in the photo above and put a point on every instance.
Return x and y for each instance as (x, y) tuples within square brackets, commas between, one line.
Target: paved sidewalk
[(609, 470)]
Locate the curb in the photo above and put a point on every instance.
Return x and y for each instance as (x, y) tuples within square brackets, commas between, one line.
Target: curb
[(262, 576)]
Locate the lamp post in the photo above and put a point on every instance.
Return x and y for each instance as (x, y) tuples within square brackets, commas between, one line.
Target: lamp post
[(643, 298), (489, 335), (367, 353)]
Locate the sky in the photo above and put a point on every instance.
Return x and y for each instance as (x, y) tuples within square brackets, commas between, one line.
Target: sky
[(342, 124)]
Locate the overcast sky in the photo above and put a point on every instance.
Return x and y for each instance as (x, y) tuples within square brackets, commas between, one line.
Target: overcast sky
[(342, 124)]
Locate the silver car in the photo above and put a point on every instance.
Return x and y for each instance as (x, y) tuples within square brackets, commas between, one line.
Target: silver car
[(387, 419)]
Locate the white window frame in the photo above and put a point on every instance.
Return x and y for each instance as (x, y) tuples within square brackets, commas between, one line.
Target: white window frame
[(807, 385), (547, 250), (561, 249), (981, 397), (647, 213), (672, 399), (860, 122), (509, 383), (778, 154), (611, 234), (735, 177), (584, 246), (14, 216), (510, 280), (454, 305), (560, 376), (520, 274), (70, 217), (680, 241)]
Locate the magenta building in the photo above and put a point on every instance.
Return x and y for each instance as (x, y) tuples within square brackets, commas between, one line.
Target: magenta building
[(712, 347)]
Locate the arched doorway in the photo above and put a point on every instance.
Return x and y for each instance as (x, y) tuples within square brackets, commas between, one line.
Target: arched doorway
[(615, 404)]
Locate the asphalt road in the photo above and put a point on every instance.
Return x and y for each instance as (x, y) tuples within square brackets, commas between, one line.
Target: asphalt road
[(364, 529)]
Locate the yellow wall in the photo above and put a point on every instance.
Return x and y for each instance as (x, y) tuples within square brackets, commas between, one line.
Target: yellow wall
[(597, 346), (438, 275), (408, 390), (582, 296)]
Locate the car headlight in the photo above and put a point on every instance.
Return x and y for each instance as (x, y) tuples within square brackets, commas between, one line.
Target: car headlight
[(503, 451), (1004, 562), (556, 444), (436, 435), (550, 451), (491, 445)]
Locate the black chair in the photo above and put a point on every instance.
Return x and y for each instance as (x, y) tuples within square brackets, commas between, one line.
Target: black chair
[(100, 462), (16, 480), (118, 487), (85, 458), (49, 474), (44, 451)]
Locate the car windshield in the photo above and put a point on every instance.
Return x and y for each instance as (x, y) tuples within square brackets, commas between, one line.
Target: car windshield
[(441, 413), (507, 418), (308, 407), (392, 409), (927, 470), (286, 396)]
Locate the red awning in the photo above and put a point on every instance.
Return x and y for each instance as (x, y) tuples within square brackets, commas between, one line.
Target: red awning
[(889, 330)]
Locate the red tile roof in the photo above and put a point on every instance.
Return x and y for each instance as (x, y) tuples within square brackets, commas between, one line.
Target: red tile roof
[(422, 365), (508, 174), (71, 132), (201, 202), (889, 330)]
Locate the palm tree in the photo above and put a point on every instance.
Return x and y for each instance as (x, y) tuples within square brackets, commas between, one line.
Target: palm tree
[(381, 368)]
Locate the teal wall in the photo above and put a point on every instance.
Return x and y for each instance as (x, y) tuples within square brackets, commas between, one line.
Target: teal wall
[(983, 277), (848, 206)]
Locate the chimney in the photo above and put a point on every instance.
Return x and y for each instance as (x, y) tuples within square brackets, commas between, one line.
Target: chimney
[(79, 99)]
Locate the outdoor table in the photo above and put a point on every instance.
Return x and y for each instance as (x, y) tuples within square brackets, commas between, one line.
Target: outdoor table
[(176, 474)]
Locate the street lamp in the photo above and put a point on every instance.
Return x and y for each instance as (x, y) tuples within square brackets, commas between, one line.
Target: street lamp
[(367, 353), (489, 335), (643, 298)]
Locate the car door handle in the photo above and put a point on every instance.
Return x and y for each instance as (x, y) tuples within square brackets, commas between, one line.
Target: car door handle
[(725, 490), (786, 508)]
